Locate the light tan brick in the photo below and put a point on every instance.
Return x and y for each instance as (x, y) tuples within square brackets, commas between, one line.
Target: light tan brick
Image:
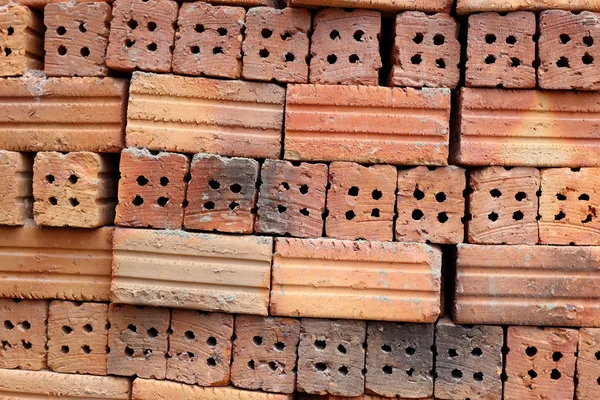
[(588, 364), (21, 40), (429, 6), (16, 199)]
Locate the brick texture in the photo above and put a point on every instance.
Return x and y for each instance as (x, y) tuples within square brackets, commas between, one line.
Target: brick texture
[(21, 41), (472, 6), (428, 6), (588, 364), (16, 199)]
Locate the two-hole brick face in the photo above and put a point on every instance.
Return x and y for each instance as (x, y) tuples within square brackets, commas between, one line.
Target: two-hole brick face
[(21, 40)]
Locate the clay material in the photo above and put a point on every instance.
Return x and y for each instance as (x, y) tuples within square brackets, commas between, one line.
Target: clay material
[(16, 198), (21, 40), (588, 364), (430, 6), (472, 6)]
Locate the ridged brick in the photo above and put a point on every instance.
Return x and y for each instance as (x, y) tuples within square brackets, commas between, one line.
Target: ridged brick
[(429, 6), (367, 124), (527, 285), (192, 270), (588, 364), (358, 280), (16, 199), (473, 6), (21, 40), (195, 115)]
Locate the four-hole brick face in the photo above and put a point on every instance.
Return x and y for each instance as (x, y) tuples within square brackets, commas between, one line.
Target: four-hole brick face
[(264, 353), (345, 47), (142, 35), (151, 189), (16, 198), (588, 364), (76, 39), (426, 51), (360, 201), (503, 205), (291, 199), (276, 44), (540, 363), (77, 337), (21, 40), (501, 50), (209, 40)]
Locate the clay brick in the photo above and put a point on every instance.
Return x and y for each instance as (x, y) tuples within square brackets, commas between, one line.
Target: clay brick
[(74, 189), (360, 201), (400, 359), (345, 47), (468, 362), (429, 6), (142, 34), (137, 339), (248, 3), (430, 205), (528, 128), (151, 189), (200, 115), (473, 6), (276, 44), (426, 51), (222, 194), (209, 40), (291, 199), (16, 199), (588, 364), (78, 337), (76, 39), (264, 353), (200, 347), (501, 50), (23, 334), (367, 124), (356, 280), (192, 270), (527, 285), (503, 205), (21, 40), (540, 363)]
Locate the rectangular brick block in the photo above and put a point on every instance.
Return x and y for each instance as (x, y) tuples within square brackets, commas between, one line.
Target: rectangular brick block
[(192, 270), (200, 115), (357, 280), (16, 199), (588, 364), (429, 6), (367, 124), (21, 40), (78, 337), (527, 285), (529, 128), (473, 6)]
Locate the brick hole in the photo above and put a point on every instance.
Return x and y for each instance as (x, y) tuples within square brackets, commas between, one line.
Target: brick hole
[(476, 352), (128, 352), (555, 374), (52, 201), (320, 344), (285, 36), (353, 191), (561, 197), (281, 209), (152, 47), (350, 215), (478, 376), (189, 335), (342, 349), (598, 380), (82, 27), (164, 181), (25, 325), (440, 197), (199, 28), (64, 349), (138, 201), (575, 169), (416, 59), (587, 59), (61, 30), (515, 62), (214, 184), (457, 374), (563, 62), (50, 178), (73, 179), (410, 372), (233, 205), (417, 214), (564, 38), (531, 351), (66, 329), (62, 50), (129, 43), (289, 57), (376, 194), (532, 374), (495, 193), (86, 349), (7, 51), (442, 217), (440, 63), (211, 341), (132, 24), (266, 33), (597, 355), (331, 59), (387, 370), (279, 346), (190, 355), (209, 205), (285, 185), (272, 365), (587, 219), (556, 356), (87, 328), (343, 370), (517, 215), (219, 50), (490, 38), (85, 51), (194, 49), (257, 340), (5, 345), (251, 364), (419, 195), (511, 39), (452, 353), (147, 352), (386, 348), (588, 41), (321, 366), (107, 326), (439, 39), (584, 197), (26, 344), (409, 351), (490, 59), (359, 35), (11, 30), (418, 38), (152, 333), (222, 31), (304, 189), (559, 216), (305, 212), (8, 325), (132, 328), (520, 196), (211, 362), (375, 212)]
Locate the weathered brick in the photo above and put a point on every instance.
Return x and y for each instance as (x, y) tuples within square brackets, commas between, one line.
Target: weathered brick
[(16, 199), (426, 51), (503, 205), (21, 40), (200, 115), (473, 6), (588, 364), (192, 270), (222, 194), (200, 347), (276, 44), (152, 189), (77, 337), (429, 6), (468, 362), (75, 189), (345, 47), (540, 363), (137, 339), (264, 353), (356, 280), (501, 50), (367, 124)]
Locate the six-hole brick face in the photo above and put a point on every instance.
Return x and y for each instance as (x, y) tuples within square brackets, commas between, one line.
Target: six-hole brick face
[(345, 47), (222, 194), (200, 347), (588, 364), (21, 40), (264, 353), (151, 189), (501, 50), (77, 337), (142, 35), (209, 40), (16, 198), (426, 51), (276, 44)]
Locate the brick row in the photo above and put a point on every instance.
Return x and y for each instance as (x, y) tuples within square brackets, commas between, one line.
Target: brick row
[(473, 6)]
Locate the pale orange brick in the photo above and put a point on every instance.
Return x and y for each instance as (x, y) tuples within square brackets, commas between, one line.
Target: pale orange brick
[(472, 6), (21, 40), (588, 364), (429, 6), (16, 199)]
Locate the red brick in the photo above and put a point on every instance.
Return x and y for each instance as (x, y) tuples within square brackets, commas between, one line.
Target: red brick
[(345, 47), (472, 6), (588, 364), (426, 51), (429, 6), (16, 199), (501, 50), (21, 40)]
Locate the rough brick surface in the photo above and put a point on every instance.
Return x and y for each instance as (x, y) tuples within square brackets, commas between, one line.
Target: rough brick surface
[(472, 6), (77, 337), (209, 40), (222, 194), (428, 6), (468, 362), (21, 40), (501, 50), (588, 364), (503, 205), (276, 44), (426, 51), (345, 47), (74, 189), (200, 347), (430, 205), (540, 363), (16, 198), (152, 189)]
